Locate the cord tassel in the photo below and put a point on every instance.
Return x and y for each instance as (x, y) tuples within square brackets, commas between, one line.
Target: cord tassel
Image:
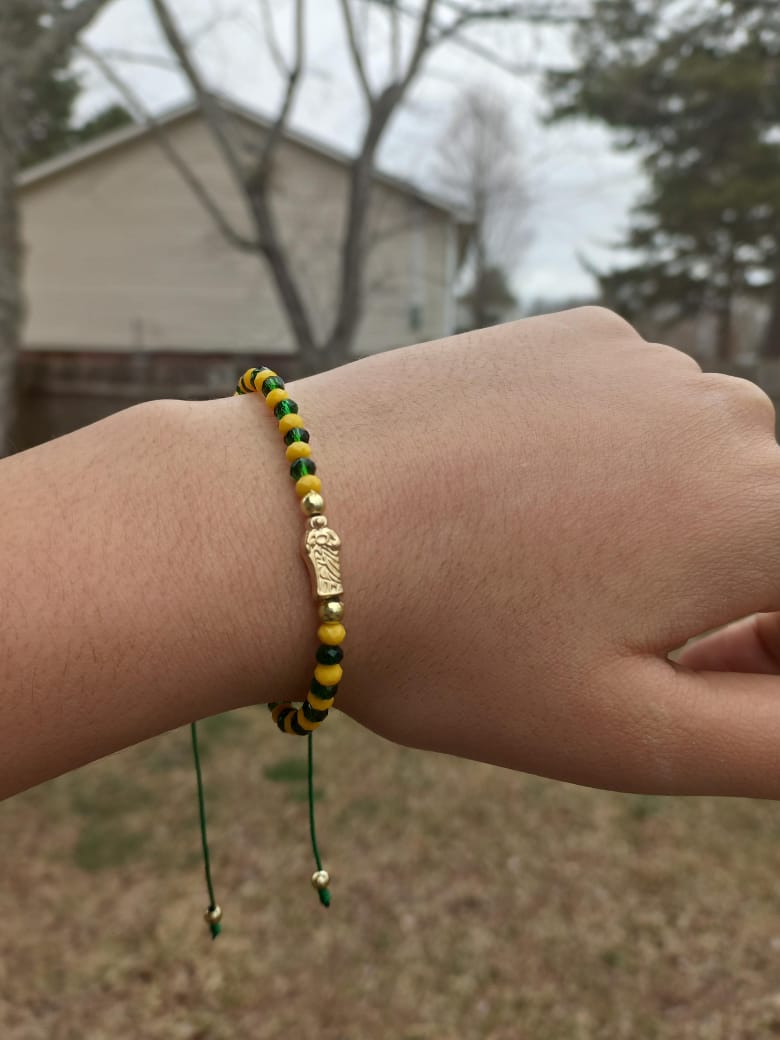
[(321, 878), (213, 915)]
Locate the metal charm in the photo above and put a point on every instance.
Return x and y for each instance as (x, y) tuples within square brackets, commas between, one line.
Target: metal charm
[(321, 549)]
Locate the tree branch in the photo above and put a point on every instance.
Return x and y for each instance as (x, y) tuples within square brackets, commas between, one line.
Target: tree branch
[(66, 24), (293, 73), (354, 48), (421, 45), (272, 39), (210, 109), (162, 139), (395, 40)]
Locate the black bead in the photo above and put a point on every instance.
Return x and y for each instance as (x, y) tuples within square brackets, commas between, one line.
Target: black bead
[(314, 714), (272, 383), (297, 433), (301, 467), (285, 407), (282, 716), (329, 654), (323, 692), (296, 727)]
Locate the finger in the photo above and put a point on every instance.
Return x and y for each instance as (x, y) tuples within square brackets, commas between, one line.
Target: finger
[(749, 645), (703, 732)]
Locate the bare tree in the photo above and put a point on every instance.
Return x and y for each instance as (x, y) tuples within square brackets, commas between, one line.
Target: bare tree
[(478, 163), (24, 57), (413, 33)]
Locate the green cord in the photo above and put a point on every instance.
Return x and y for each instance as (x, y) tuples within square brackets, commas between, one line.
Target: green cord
[(323, 893), (215, 926)]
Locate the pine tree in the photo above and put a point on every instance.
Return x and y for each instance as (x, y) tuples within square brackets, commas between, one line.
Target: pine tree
[(36, 95), (696, 89)]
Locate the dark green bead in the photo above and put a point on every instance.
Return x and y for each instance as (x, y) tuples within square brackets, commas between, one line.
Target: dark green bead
[(281, 717), (301, 467), (323, 692), (314, 714), (272, 383), (329, 654), (285, 408), (297, 433), (296, 727)]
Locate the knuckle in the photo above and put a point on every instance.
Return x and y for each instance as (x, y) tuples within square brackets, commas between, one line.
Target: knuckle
[(742, 395), (608, 322), (675, 355)]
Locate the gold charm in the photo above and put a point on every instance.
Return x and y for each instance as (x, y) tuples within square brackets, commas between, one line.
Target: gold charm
[(321, 549)]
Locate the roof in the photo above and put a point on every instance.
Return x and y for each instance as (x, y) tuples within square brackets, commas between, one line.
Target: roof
[(126, 135)]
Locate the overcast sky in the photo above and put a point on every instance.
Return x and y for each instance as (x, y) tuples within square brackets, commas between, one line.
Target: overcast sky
[(580, 187)]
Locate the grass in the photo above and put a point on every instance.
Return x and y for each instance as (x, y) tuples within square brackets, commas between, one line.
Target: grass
[(468, 901)]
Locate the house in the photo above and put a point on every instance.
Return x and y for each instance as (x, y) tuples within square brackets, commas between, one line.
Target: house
[(133, 293)]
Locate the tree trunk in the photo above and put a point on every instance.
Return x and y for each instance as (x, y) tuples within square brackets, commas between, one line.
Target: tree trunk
[(293, 304), (11, 296), (479, 315), (724, 330), (770, 347), (351, 297)]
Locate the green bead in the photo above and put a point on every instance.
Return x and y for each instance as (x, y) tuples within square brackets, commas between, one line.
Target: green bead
[(272, 383), (297, 433), (285, 408), (323, 692), (296, 727), (301, 468), (314, 714), (329, 654), (282, 716)]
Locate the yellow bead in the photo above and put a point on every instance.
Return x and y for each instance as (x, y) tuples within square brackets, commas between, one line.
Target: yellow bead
[(297, 450), (306, 484), (305, 723), (331, 610), (320, 703), (328, 674), (254, 383), (288, 422), (288, 722), (276, 712), (275, 396), (331, 634)]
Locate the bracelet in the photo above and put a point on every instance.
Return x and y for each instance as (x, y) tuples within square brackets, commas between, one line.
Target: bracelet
[(321, 551)]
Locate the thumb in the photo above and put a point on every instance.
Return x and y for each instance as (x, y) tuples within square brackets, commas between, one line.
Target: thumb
[(716, 714), (749, 645)]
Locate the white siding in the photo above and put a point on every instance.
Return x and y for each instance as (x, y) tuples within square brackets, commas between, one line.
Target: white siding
[(120, 255)]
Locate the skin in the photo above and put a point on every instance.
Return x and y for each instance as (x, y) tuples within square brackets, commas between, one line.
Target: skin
[(533, 517)]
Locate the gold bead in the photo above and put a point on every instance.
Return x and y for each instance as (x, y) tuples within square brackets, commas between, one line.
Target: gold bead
[(313, 503), (331, 610), (320, 879), (213, 916)]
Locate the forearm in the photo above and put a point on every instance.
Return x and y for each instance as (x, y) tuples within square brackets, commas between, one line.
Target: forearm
[(150, 574)]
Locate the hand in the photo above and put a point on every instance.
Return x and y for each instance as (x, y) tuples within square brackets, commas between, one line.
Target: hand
[(533, 517)]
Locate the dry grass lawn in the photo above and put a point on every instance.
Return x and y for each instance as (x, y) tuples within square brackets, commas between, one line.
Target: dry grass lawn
[(468, 901)]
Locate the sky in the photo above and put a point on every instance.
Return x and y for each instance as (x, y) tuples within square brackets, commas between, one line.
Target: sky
[(580, 188)]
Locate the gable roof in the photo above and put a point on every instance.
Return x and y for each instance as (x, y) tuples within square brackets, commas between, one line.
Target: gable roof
[(127, 135)]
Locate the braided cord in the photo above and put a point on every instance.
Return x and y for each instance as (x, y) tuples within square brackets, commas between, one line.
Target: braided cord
[(321, 545)]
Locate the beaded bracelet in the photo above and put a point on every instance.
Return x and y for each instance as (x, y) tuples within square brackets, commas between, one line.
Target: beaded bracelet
[(321, 551)]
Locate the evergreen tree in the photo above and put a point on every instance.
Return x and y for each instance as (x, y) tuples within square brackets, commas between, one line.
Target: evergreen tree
[(50, 97), (696, 88)]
